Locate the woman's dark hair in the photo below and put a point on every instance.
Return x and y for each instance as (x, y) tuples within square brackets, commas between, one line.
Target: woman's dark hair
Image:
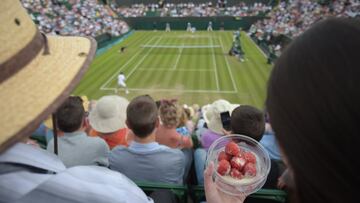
[(314, 105)]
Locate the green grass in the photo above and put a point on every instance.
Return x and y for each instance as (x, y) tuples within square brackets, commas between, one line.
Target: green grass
[(192, 75)]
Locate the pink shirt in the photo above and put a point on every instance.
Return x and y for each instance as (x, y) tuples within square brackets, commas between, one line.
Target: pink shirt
[(171, 138)]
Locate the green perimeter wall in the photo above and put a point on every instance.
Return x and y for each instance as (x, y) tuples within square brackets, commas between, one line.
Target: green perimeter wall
[(200, 23)]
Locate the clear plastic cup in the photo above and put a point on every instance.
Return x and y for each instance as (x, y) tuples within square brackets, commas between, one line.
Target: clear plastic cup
[(247, 185)]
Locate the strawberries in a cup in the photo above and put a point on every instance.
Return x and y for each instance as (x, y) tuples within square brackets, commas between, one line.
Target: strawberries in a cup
[(236, 174), (250, 157), (249, 170), (223, 167), (223, 155), (237, 162), (232, 149)]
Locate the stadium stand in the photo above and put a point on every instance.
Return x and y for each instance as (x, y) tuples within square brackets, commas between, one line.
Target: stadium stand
[(290, 18), (75, 17), (192, 9), (283, 23)]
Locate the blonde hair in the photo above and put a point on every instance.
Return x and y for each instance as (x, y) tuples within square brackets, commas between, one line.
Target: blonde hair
[(183, 117), (169, 113)]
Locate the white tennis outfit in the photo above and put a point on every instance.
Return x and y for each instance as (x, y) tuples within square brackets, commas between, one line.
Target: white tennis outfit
[(121, 80)]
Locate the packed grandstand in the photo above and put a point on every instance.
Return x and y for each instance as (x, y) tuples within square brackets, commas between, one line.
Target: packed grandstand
[(163, 142)]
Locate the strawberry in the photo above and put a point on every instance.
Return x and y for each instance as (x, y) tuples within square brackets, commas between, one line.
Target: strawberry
[(223, 155), (237, 162), (236, 174), (249, 170), (250, 157), (232, 149), (223, 167)]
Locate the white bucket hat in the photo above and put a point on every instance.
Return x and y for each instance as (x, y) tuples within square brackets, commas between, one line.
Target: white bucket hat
[(211, 114), (109, 114)]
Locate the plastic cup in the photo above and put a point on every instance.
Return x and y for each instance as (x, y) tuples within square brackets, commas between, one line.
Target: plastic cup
[(247, 185)]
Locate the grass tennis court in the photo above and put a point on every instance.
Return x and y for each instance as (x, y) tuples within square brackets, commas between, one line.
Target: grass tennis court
[(194, 68)]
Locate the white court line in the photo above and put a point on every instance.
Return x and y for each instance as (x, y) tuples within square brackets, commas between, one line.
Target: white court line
[(215, 66), (256, 46), (228, 67), (179, 55), (121, 68), (141, 60), (167, 69), (184, 91), (190, 36), (181, 46)]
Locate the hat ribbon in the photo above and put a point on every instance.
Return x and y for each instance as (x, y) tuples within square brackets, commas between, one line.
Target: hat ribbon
[(24, 56)]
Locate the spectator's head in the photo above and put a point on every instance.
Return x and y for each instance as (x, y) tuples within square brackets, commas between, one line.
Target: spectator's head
[(249, 121), (142, 116), (183, 117), (170, 113), (189, 112), (109, 114), (313, 102), (212, 112), (70, 115), (35, 61)]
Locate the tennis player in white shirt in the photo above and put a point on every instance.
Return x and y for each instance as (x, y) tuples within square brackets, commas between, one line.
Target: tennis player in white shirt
[(121, 83)]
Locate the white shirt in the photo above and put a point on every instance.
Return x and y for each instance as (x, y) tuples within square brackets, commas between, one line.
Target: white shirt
[(121, 78)]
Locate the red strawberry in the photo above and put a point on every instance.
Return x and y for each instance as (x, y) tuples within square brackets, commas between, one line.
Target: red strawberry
[(223, 155), (250, 157), (237, 162), (232, 149), (223, 167), (236, 174), (249, 170)]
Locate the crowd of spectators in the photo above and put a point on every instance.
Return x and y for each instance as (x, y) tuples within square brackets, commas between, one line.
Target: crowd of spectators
[(153, 141), (194, 10), (75, 17), (310, 136), (291, 18)]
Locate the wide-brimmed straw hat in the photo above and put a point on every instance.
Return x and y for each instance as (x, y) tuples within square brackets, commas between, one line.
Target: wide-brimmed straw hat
[(109, 114), (37, 72), (211, 114)]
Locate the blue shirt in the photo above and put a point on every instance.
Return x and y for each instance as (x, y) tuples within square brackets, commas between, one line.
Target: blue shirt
[(77, 148), (269, 143), (145, 148), (149, 162), (183, 131)]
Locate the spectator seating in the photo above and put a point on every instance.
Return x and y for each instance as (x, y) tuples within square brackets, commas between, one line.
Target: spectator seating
[(198, 193), (263, 194), (181, 191)]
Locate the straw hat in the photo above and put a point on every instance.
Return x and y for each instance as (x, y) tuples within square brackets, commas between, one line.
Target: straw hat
[(37, 72), (211, 114), (109, 114)]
